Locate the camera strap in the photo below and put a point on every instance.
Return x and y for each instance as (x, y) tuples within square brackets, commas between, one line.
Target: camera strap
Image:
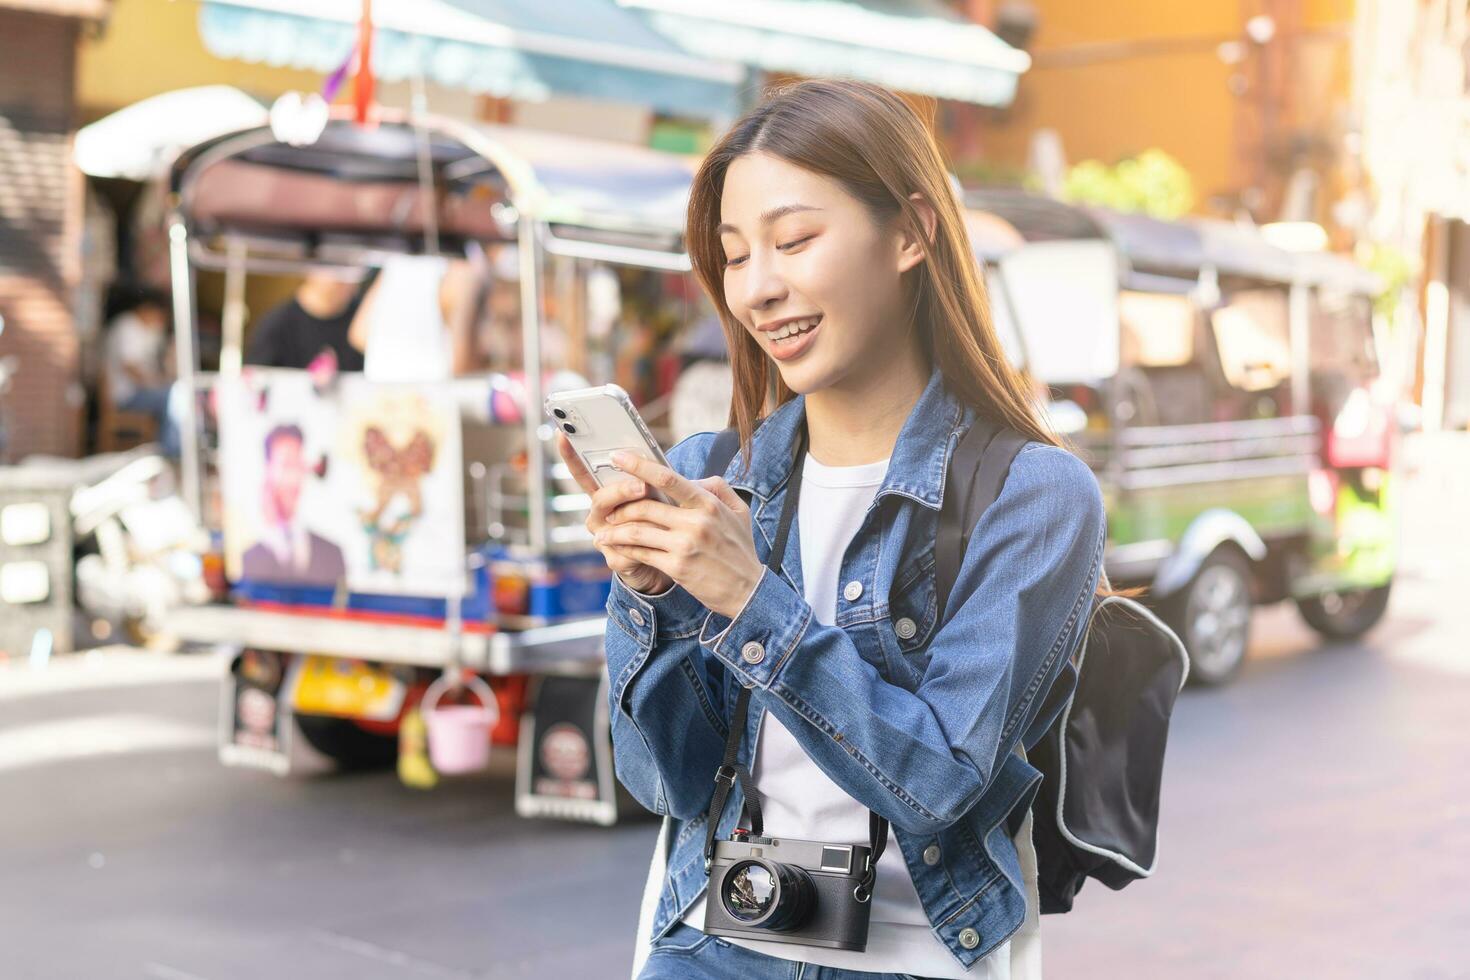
[(730, 768)]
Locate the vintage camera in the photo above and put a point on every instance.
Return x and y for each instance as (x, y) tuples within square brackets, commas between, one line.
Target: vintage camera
[(790, 891)]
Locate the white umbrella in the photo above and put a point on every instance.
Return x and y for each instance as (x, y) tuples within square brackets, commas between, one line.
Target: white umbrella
[(136, 143)]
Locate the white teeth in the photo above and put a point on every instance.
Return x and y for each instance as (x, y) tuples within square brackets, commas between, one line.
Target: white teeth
[(794, 327)]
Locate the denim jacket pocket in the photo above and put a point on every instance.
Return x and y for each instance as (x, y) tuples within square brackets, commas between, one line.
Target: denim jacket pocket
[(912, 608)]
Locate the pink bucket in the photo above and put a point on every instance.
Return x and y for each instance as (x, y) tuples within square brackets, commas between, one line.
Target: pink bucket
[(459, 734)]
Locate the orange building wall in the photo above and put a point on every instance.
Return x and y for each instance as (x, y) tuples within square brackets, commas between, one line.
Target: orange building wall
[(1114, 79)]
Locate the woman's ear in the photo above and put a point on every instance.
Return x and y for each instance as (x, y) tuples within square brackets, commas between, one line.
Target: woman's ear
[(911, 250)]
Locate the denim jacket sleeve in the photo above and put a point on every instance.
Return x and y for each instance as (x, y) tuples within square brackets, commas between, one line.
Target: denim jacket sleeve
[(668, 735), (924, 758)]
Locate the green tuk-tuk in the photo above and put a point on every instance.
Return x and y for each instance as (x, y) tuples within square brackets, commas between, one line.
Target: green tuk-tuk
[(1225, 393)]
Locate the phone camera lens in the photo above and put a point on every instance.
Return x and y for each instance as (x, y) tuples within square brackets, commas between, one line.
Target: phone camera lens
[(571, 429), (559, 413)]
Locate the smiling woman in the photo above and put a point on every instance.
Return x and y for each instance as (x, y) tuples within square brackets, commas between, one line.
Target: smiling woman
[(828, 209), (773, 629)]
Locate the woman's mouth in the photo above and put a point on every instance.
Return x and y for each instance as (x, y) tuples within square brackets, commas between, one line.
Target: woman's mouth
[(792, 339)]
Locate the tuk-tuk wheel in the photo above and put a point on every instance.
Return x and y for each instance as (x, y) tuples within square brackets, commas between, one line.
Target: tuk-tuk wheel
[(1212, 615), (348, 745), (1345, 615)]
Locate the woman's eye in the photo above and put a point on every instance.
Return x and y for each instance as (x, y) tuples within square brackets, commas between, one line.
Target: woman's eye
[(800, 241), (733, 263)]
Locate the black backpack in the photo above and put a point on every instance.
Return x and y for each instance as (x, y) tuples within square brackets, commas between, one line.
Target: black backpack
[(1099, 737)]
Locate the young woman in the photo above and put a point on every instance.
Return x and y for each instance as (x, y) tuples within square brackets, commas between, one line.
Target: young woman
[(825, 231)]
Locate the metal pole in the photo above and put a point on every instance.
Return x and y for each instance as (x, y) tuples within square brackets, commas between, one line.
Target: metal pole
[(1436, 325), (183, 289), (1299, 312), (232, 355), (530, 259)]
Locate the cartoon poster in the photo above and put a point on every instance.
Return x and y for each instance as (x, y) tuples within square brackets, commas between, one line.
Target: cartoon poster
[(355, 485)]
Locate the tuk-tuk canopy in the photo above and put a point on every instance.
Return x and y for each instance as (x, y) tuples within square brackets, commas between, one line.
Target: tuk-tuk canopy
[(365, 187), (1179, 249)]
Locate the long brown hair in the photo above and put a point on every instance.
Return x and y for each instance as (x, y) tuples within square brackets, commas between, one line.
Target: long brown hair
[(877, 147)]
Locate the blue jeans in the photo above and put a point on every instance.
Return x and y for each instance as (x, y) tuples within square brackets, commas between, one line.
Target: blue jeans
[(155, 402), (685, 953)]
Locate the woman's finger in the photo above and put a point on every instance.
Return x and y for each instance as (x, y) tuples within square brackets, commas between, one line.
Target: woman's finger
[(724, 492), (619, 562), (610, 498), (574, 463), (641, 535), (681, 491), (649, 512), (651, 557)]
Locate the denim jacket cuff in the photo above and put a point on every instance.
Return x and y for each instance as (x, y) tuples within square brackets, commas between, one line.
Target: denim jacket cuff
[(670, 613), (762, 636)]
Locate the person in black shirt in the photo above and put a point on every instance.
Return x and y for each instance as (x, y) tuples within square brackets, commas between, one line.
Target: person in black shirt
[(317, 316)]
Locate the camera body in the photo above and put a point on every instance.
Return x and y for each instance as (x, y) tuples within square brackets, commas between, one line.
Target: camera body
[(789, 891)]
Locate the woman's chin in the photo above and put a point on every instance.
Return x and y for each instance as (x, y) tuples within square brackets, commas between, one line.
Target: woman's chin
[(803, 378)]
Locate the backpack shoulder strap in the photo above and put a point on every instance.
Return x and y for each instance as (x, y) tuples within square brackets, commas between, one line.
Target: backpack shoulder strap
[(977, 471), (726, 445)]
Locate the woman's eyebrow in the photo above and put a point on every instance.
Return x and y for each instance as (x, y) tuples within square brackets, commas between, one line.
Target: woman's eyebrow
[(771, 215)]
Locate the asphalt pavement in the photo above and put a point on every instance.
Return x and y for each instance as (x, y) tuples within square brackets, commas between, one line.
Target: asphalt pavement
[(1316, 824)]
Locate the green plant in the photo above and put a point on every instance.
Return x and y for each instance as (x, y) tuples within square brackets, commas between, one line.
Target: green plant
[(1152, 182), (1394, 267)]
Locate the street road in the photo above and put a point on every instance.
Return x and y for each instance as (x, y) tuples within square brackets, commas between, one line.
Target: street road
[(1317, 824)]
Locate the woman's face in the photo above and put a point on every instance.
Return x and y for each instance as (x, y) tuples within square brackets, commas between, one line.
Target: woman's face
[(809, 273)]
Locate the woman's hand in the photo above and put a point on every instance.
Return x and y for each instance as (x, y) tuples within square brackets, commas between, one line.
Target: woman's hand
[(635, 575), (704, 544)]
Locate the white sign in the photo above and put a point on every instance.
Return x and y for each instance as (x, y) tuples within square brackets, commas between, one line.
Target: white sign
[(1064, 301), (359, 485)]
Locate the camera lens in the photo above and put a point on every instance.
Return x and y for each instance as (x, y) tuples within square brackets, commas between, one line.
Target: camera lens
[(559, 413), (570, 428), (767, 895)]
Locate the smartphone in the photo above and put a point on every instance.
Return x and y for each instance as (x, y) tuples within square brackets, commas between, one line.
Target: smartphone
[(599, 422)]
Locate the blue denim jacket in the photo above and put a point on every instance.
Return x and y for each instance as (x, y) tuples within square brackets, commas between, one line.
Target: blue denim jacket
[(920, 728)]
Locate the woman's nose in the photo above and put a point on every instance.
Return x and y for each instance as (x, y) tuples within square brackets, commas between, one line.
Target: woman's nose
[(762, 288)]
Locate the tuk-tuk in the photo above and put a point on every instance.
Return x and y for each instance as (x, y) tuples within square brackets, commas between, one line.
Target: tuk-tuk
[(344, 664), (1224, 392)]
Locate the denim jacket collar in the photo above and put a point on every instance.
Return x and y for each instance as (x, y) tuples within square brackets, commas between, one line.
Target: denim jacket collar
[(916, 470)]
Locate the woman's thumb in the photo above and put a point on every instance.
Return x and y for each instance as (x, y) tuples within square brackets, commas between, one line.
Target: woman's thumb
[(726, 494)]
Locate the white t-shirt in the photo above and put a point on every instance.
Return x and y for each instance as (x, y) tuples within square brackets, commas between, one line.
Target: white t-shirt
[(798, 800), (130, 342), (407, 339)]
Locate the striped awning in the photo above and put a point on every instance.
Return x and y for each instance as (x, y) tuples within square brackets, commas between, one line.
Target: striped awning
[(919, 46), (519, 49)]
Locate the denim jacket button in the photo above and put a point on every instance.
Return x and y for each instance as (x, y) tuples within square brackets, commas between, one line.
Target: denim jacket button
[(636, 617), (752, 653), (931, 855), (905, 628), (969, 938), (853, 591)]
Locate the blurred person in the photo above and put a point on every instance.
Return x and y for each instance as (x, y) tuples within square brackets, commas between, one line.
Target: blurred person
[(823, 228), (316, 318), (287, 551), (417, 321), (137, 378), (700, 400)]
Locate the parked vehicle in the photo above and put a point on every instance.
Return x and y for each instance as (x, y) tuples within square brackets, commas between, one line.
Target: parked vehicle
[(1225, 394), (351, 665)]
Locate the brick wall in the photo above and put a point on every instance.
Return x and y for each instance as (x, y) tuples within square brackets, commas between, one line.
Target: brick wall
[(40, 211)]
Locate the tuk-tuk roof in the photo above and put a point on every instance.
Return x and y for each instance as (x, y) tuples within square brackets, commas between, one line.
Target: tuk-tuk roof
[(991, 236), (361, 186), (1174, 248)]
